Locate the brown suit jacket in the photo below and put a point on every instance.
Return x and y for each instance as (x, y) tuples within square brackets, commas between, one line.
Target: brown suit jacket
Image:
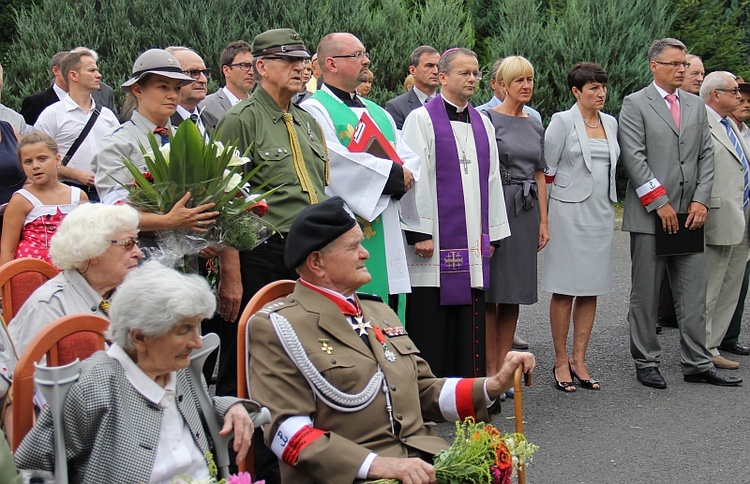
[(336, 457)]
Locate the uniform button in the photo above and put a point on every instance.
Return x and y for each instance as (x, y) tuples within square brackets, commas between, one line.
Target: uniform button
[(400, 417), (408, 347), (266, 153), (682, 183), (393, 388), (93, 308), (333, 362), (291, 299), (285, 151)]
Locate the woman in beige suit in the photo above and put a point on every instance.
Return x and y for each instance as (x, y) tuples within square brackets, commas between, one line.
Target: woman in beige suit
[(581, 151)]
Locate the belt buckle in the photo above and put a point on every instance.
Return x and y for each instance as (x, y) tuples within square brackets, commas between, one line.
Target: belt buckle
[(506, 177)]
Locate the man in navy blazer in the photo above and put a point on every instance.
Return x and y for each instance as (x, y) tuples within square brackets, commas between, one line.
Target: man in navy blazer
[(668, 155), (423, 62)]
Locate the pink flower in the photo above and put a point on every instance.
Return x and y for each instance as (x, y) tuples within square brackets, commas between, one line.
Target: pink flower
[(242, 478)]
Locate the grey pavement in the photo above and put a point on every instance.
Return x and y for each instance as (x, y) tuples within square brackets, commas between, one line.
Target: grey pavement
[(626, 432)]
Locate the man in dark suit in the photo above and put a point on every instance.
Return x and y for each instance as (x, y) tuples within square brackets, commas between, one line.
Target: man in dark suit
[(33, 105), (237, 68), (423, 65), (192, 94), (668, 155)]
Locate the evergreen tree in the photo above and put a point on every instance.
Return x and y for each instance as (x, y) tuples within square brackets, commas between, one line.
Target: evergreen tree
[(119, 30)]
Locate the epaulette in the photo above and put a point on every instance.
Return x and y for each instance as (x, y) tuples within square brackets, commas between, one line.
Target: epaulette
[(369, 297), (274, 306)]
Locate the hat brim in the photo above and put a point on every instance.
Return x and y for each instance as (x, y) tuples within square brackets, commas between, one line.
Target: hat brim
[(185, 80)]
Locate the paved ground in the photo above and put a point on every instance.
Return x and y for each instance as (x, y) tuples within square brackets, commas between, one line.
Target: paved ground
[(628, 433)]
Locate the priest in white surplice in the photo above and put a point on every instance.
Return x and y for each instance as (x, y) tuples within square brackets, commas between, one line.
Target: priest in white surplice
[(462, 212), (378, 190)]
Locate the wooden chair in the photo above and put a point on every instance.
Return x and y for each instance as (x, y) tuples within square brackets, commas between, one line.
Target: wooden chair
[(62, 341), (518, 406), (19, 278), (269, 292)]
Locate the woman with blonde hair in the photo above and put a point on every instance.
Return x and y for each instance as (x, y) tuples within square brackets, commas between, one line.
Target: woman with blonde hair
[(513, 267)]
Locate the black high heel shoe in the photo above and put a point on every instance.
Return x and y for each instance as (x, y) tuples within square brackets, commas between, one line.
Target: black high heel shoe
[(587, 384), (564, 386)]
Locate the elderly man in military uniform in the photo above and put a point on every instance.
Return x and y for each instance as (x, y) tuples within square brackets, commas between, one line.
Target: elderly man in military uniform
[(350, 398)]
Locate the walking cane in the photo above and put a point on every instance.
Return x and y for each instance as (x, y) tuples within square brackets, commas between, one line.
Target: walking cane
[(518, 403), (54, 384), (221, 442)]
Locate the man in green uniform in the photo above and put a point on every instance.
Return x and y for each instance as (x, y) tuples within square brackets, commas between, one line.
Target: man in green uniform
[(290, 145)]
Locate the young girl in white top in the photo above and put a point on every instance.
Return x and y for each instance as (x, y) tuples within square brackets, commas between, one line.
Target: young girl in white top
[(35, 211)]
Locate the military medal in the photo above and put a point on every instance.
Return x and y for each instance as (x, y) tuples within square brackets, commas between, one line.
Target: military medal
[(360, 325), (389, 355), (327, 349)]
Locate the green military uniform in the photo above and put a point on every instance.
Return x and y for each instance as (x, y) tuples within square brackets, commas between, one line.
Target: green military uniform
[(257, 123)]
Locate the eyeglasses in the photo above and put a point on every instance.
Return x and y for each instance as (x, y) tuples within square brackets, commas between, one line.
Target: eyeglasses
[(357, 55), (733, 92), (196, 73), (674, 64), (128, 243), (244, 66)]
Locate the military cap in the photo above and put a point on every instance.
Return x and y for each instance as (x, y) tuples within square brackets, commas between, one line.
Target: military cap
[(159, 62), (315, 227), (284, 42), (744, 86)]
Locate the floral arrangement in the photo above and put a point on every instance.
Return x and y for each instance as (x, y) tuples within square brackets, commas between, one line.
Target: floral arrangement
[(211, 172), (480, 453), (213, 472)]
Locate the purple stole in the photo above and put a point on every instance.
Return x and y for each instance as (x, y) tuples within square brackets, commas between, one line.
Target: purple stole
[(455, 277)]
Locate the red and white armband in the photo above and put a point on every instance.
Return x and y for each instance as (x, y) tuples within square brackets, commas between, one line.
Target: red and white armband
[(650, 191), (456, 399), (292, 436)]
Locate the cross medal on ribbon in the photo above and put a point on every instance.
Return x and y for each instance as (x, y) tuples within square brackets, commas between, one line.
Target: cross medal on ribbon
[(389, 355)]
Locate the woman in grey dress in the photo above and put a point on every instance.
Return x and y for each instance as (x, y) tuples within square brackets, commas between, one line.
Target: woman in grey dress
[(513, 269), (581, 151)]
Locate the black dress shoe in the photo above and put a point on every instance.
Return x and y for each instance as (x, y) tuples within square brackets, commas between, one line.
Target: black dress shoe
[(736, 349), (666, 322), (651, 377), (713, 377)]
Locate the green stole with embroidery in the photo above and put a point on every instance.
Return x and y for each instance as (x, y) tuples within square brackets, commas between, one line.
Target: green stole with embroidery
[(345, 120)]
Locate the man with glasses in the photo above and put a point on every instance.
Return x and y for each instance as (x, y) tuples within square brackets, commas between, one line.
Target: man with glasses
[(192, 94), (462, 210), (668, 155), (289, 143), (378, 189), (237, 68), (726, 232)]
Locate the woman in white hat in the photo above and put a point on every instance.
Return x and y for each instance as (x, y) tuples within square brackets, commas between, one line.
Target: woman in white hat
[(156, 82)]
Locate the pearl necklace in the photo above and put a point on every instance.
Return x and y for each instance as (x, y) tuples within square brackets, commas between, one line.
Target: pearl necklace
[(599, 123)]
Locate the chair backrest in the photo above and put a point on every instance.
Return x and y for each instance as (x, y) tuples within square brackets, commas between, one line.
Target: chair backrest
[(267, 294), (19, 278), (62, 341)]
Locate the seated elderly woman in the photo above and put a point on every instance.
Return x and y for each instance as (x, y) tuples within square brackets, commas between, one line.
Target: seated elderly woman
[(134, 414), (96, 246)]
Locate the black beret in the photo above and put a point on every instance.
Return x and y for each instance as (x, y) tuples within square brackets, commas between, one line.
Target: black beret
[(315, 227)]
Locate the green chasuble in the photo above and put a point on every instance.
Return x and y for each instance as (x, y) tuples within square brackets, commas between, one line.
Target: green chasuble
[(345, 120)]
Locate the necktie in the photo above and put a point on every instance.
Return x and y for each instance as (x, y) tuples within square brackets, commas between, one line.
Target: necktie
[(674, 108), (299, 160), (428, 99), (104, 306), (738, 148), (163, 133), (194, 118)]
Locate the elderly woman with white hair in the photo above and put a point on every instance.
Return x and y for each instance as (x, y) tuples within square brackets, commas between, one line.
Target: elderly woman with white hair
[(134, 414), (95, 246)]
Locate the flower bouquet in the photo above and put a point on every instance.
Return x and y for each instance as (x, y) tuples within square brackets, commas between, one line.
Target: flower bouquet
[(211, 172), (480, 454)]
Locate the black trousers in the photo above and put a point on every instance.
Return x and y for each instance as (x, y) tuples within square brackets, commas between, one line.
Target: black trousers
[(450, 338)]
